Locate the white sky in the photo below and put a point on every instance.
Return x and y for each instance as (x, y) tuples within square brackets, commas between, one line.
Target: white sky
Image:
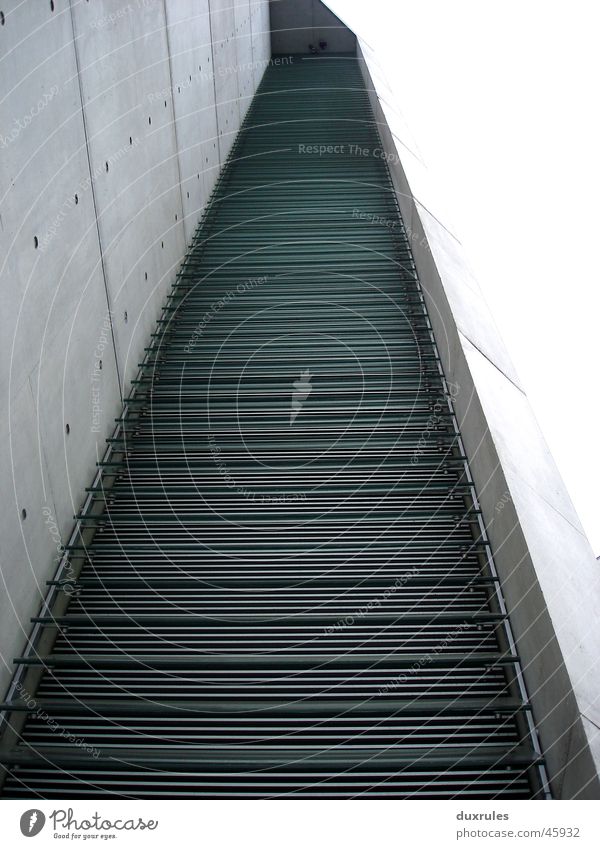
[(503, 100)]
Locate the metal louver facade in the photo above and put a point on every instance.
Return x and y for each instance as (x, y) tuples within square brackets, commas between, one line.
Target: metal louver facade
[(281, 584)]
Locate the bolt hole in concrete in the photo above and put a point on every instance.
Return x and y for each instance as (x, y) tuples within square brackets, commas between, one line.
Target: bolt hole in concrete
[(130, 140), (125, 316), (2, 18), (106, 163), (76, 199), (51, 5), (35, 241), (67, 428), (149, 119), (145, 275), (99, 365), (23, 514)]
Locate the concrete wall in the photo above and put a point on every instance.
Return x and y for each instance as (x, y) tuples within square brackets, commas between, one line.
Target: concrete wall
[(114, 124), (549, 575)]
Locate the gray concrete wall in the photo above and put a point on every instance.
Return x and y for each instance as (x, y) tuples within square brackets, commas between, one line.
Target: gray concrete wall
[(115, 118), (549, 575)]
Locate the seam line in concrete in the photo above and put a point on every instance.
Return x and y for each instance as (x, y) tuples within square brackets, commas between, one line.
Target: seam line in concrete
[(552, 507), (429, 212), (183, 214), (251, 50), (591, 721), (214, 76), (485, 356), (94, 202), (44, 468)]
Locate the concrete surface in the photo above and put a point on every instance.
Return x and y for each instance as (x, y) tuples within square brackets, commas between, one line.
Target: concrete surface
[(130, 85)]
